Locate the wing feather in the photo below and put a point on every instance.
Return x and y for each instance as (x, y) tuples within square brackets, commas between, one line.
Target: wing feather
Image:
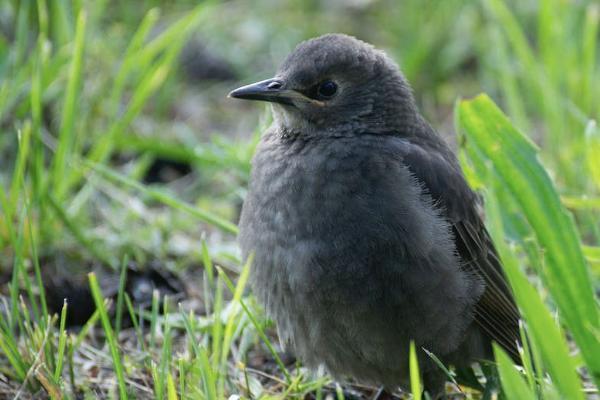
[(436, 168)]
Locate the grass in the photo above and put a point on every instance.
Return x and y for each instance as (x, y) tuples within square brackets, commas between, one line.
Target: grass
[(513, 158), (92, 95)]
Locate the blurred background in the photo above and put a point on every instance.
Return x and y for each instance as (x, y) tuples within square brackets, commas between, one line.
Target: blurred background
[(120, 151)]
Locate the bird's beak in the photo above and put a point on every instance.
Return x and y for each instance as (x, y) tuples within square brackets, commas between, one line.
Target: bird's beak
[(268, 90)]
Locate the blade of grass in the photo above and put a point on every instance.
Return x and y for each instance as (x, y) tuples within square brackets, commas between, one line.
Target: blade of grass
[(165, 358), (546, 334), (592, 141), (209, 274), (514, 386), (136, 325), (62, 27), (154, 318), (440, 365), (259, 328), (36, 264), (526, 357), (217, 327), (548, 345), (110, 338), (230, 326), (415, 376), (120, 295), (589, 44), (91, 322), (69, 109), (62, 341), (9, 349), (38, 176), (22, 30), (18, 270), (209, 380), (24, 138), (129, 59), (165, 198), (171, 391)]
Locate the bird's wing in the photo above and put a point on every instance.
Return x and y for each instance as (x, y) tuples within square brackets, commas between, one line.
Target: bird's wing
[(436, 168)]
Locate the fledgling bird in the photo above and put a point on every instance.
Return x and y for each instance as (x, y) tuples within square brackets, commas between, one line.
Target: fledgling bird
[(364, 231)]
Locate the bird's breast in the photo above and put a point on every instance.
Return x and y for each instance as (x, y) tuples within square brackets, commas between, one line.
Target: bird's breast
[(300, 190), (311, 206)]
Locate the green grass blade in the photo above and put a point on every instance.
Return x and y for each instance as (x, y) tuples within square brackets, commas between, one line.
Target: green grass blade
[(36, 266), (207, 372), (121, 295), (232, 324), (62, 342), (90, 323), (129, 59), (544, 331), (171, 391), (166, 354), (24, 138), (36, 113), (69, 108), (513, 385), (134, 320), (165, 198), (154, 317), (22, 30), (592, 139), (110, 337), (588, 58), (62, 27), (259, 328), (415, 376)]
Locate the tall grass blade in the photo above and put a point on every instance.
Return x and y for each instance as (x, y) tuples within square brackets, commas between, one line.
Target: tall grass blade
[(166, 198), (415, 376), (69, 109), (514, 386), (110, 337)]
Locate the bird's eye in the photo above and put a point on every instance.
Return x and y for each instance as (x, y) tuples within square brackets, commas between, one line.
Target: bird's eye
[(327, 89)]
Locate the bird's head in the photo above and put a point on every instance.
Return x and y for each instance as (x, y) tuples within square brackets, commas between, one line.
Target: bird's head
[(336, 85)]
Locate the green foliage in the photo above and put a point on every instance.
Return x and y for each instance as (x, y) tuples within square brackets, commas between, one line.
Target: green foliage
[(498, 154), (552, 79)]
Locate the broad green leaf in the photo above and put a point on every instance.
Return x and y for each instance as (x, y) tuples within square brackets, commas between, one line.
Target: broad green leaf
[(513, 158)]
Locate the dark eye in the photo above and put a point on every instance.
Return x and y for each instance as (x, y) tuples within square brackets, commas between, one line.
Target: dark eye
[(327, 89)]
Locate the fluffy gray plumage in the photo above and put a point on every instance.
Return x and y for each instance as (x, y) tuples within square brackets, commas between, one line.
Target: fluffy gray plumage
[(364, 232)]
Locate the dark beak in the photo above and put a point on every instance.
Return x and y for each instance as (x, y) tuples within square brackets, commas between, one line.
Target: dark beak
[(267, 90)]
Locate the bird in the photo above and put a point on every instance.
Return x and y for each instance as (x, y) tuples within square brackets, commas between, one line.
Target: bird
[(363, 231)]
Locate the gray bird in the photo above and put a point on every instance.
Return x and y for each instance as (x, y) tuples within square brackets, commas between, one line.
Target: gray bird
[(364, 231)]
